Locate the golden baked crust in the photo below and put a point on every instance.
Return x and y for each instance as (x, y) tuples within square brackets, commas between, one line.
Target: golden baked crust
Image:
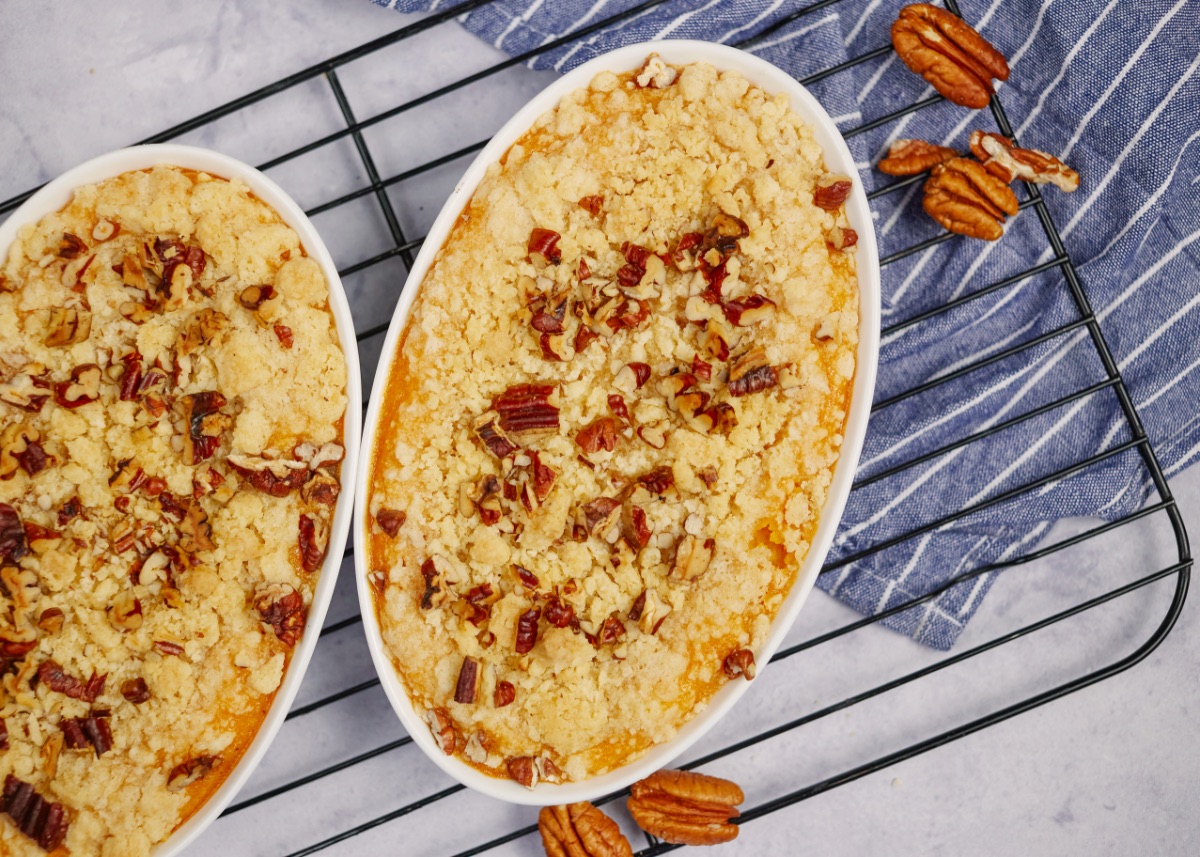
[(172, 391), (612, 421)]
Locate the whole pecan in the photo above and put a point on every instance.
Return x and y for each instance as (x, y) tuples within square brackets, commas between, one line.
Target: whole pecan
[(1007, 162), (907, 157), (686, 808), (580, 830), (965, 198), (947, 51)]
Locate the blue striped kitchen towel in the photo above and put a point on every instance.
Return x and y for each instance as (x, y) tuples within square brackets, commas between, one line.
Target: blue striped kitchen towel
[(1109, 85)]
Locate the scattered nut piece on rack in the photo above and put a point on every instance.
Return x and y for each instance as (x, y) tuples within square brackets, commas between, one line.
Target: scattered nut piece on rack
[(1007, 162), (948, 52), (965, 198), (912, 157), (581, 830), (686, 808)]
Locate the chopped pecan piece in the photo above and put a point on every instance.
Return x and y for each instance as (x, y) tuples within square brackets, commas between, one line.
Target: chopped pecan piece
[(321, 489), (277, 477), (751, 373), (13, 541), (3, 735), (602, 517), (527, 631), (205, 422), (655, 74), (549, 312), (598, 435), (543, 477), (504, 694), (842, 238), (81, 388), (312, 541), (284, 334), (557, 612), (948, 52), (907, 157), (692, 557), (740, 664), (105, 229), (282, 607), (523, 769), (19, 448), (493, 437), (686, 808), (93, 731), (831, 190), (592, 205), (68, 326), (721, 418), (134, 690), (1007, 162), (654, 434), (543, 247), (54, 677), (442, 727), (51, 620), (126, 612), (580, 830), (749, 310), (467, 686), (42, 821), (28, 389), (190, 771), (390, 520), (965, 198), (253, 297), (635, 527), (201, 329), (196, 530), (166, 648), (71, 246)]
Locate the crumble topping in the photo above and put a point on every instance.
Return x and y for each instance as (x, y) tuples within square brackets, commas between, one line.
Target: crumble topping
[(172, 392), (612, 422)]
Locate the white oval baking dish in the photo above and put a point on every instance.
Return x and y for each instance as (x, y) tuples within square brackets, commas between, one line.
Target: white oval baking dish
[(57, 194), (837, 160)]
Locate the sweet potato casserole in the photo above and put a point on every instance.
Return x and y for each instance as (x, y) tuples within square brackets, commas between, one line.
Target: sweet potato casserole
[(612, 421), (172, 392)]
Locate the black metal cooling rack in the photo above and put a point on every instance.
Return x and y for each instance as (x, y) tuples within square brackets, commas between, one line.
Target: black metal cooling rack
[(1162, 508)]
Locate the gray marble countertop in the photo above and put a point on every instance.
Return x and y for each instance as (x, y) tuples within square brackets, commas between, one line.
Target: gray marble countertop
[(1111, 770)]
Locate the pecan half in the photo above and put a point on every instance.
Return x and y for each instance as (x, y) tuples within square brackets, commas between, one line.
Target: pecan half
[(41, 820), (686, 808), (965, 198), (525, 409), (1007, 162), (908, 157), (282, 607), (580, 830), (947, 51), (190, 771)]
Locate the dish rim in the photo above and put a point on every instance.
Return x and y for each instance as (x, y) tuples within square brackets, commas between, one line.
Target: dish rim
[(56, 194), (838, 159)]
